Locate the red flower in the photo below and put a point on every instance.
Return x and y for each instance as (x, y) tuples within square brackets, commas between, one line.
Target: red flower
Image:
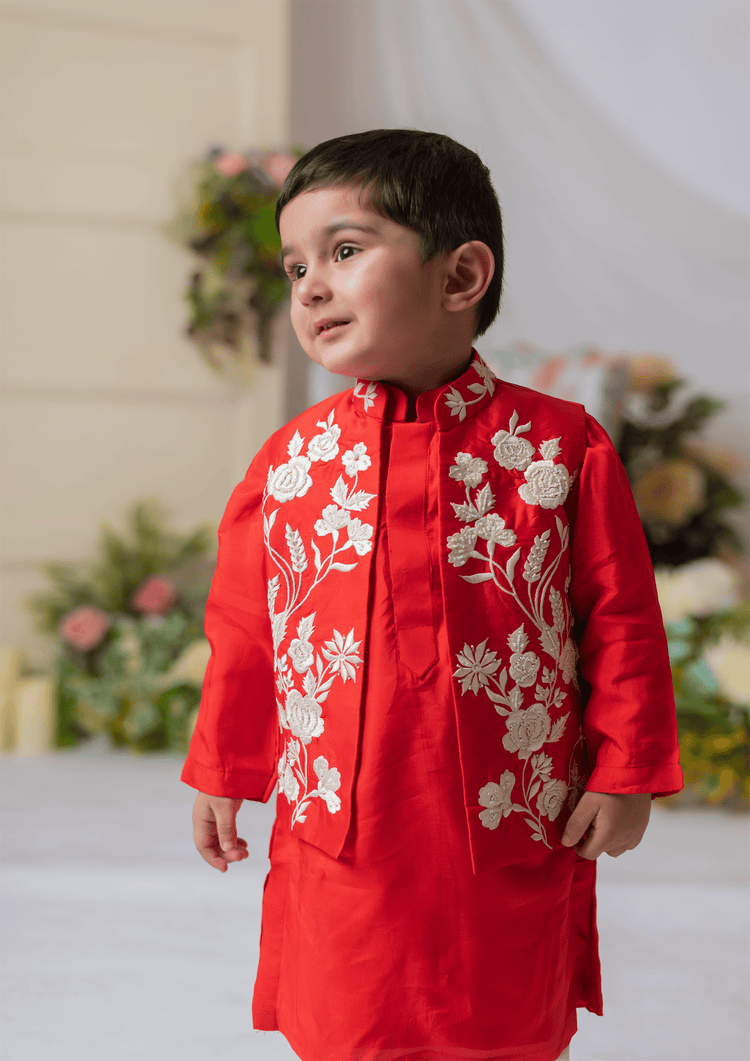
[(85, 627), (231, 163), (155, 596)]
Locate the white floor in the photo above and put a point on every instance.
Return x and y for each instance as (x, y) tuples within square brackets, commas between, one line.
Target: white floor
[(122, 944)]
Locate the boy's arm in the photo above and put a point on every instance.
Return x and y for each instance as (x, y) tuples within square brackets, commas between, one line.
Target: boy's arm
[(629, 720), (233, 749)]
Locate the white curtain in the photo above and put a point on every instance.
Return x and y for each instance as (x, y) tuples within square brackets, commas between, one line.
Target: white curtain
[(604, 245)]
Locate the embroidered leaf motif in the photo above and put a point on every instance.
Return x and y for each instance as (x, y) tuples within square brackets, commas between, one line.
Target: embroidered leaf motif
[(557, 729), (477, 388), (295, 446), (518, 640), (550, 449), (342, 567), (296, 549), (485, 500), (533, 567), (534, 789), (466, 513), (339, 491), (482, 577), (513, 422), (305, 627), (316, 555), (549, 641), (309, 683), (510, 567), (558, 613), (357, 501)]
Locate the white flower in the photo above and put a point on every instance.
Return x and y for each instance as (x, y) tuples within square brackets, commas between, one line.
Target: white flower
[(701, 587), (304, 715), (359, 536), (292, 752), (492, 529), (729, 660), (524, 667), (329, 781), (512, 452), (369, 395), (290, 784), (342, 654), (551, 799), (333, 519), (547, 484), (456, 403), (527, 730), (324, 447), (302, 655), (290, 480), (461, 546), (356, 459), (475, 667), (487, 375), (550, 449), (468, 469), (497, 800), (569, 660)]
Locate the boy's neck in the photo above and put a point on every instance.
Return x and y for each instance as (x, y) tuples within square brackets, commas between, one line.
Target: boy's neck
[(433, 379)]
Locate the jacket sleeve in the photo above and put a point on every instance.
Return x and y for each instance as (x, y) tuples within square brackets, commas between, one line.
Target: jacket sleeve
[(629, 720), (233, 748)]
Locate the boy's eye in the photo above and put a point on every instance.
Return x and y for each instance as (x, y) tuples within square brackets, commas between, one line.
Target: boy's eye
[(296, 272), (344, 252)]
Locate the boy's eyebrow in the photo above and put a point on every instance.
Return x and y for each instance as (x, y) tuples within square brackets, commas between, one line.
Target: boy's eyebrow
[(332, 229)]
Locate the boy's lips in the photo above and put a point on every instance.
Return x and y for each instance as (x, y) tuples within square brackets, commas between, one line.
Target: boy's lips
[(329, 326)]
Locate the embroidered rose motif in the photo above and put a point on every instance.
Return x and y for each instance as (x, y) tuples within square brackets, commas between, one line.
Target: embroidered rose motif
[(551, 799), (324, 447), (524, 667), (492, 529), (304, 716), (290, 480), (475, 667), (329, 781), (359, 536), (342, 654), (356, 460), (496, 798), (332, 519), (569, 660), (461, 546), (468, 469), (511, 452), (290, 784), (302, 655), (527, 730), (547, 484)]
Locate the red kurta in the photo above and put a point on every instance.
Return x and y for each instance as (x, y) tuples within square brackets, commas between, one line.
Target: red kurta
[(402, 947)]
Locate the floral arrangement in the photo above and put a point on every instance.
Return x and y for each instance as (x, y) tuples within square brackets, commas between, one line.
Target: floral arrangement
[(228, 222), (130, 628), (682, 491)]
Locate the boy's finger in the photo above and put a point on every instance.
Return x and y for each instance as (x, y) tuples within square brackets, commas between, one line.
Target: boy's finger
[(579, 822)]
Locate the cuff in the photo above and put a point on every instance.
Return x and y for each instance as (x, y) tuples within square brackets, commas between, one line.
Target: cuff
[(659, 780), (236, 784)]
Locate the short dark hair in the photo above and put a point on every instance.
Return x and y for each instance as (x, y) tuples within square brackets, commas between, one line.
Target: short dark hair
[(424, 181)]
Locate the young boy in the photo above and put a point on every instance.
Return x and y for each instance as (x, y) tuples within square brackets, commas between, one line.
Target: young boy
[(434, 623)]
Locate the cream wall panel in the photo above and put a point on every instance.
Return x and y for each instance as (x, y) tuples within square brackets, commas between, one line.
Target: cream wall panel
[(66, 464), (98, 306)]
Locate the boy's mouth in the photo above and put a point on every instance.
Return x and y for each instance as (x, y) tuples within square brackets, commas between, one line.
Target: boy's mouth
[(328, 327)]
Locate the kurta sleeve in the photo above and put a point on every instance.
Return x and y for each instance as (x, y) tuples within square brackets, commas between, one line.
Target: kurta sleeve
[(233, 748), (629, 720)]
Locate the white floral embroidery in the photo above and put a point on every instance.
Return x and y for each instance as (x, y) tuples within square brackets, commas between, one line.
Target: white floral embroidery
[(299, 571), (529, 726), (324, 447), (547, 484), (475, 667), (512, 452), (356, 460), (456, 401), (368, 395), (496, 798)]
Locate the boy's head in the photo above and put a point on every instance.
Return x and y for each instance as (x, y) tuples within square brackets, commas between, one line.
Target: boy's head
[(424, 181)]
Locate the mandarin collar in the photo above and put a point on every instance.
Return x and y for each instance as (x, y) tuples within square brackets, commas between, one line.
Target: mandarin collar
[(447, 406)]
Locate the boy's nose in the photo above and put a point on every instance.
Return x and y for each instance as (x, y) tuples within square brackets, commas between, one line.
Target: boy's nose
[(312, 288)]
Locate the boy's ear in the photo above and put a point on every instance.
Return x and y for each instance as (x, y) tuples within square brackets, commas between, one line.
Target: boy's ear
[(469, 269)]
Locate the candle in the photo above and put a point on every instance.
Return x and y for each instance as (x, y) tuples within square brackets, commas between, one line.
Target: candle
[(35, 716)]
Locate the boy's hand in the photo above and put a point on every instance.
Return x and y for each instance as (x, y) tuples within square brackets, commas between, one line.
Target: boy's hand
[(612, 822), (215, 830)]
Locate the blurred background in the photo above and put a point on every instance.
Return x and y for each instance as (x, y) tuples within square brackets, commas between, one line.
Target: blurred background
[(146, 353)]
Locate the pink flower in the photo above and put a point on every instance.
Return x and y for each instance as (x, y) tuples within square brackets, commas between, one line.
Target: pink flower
[(156, 595), (85, 627), (277, 166), (231, 163)]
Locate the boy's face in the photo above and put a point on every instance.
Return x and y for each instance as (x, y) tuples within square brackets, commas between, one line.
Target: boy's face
[(363, 304)]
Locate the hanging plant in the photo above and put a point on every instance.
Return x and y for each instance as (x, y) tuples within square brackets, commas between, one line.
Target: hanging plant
[(228, 223)]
